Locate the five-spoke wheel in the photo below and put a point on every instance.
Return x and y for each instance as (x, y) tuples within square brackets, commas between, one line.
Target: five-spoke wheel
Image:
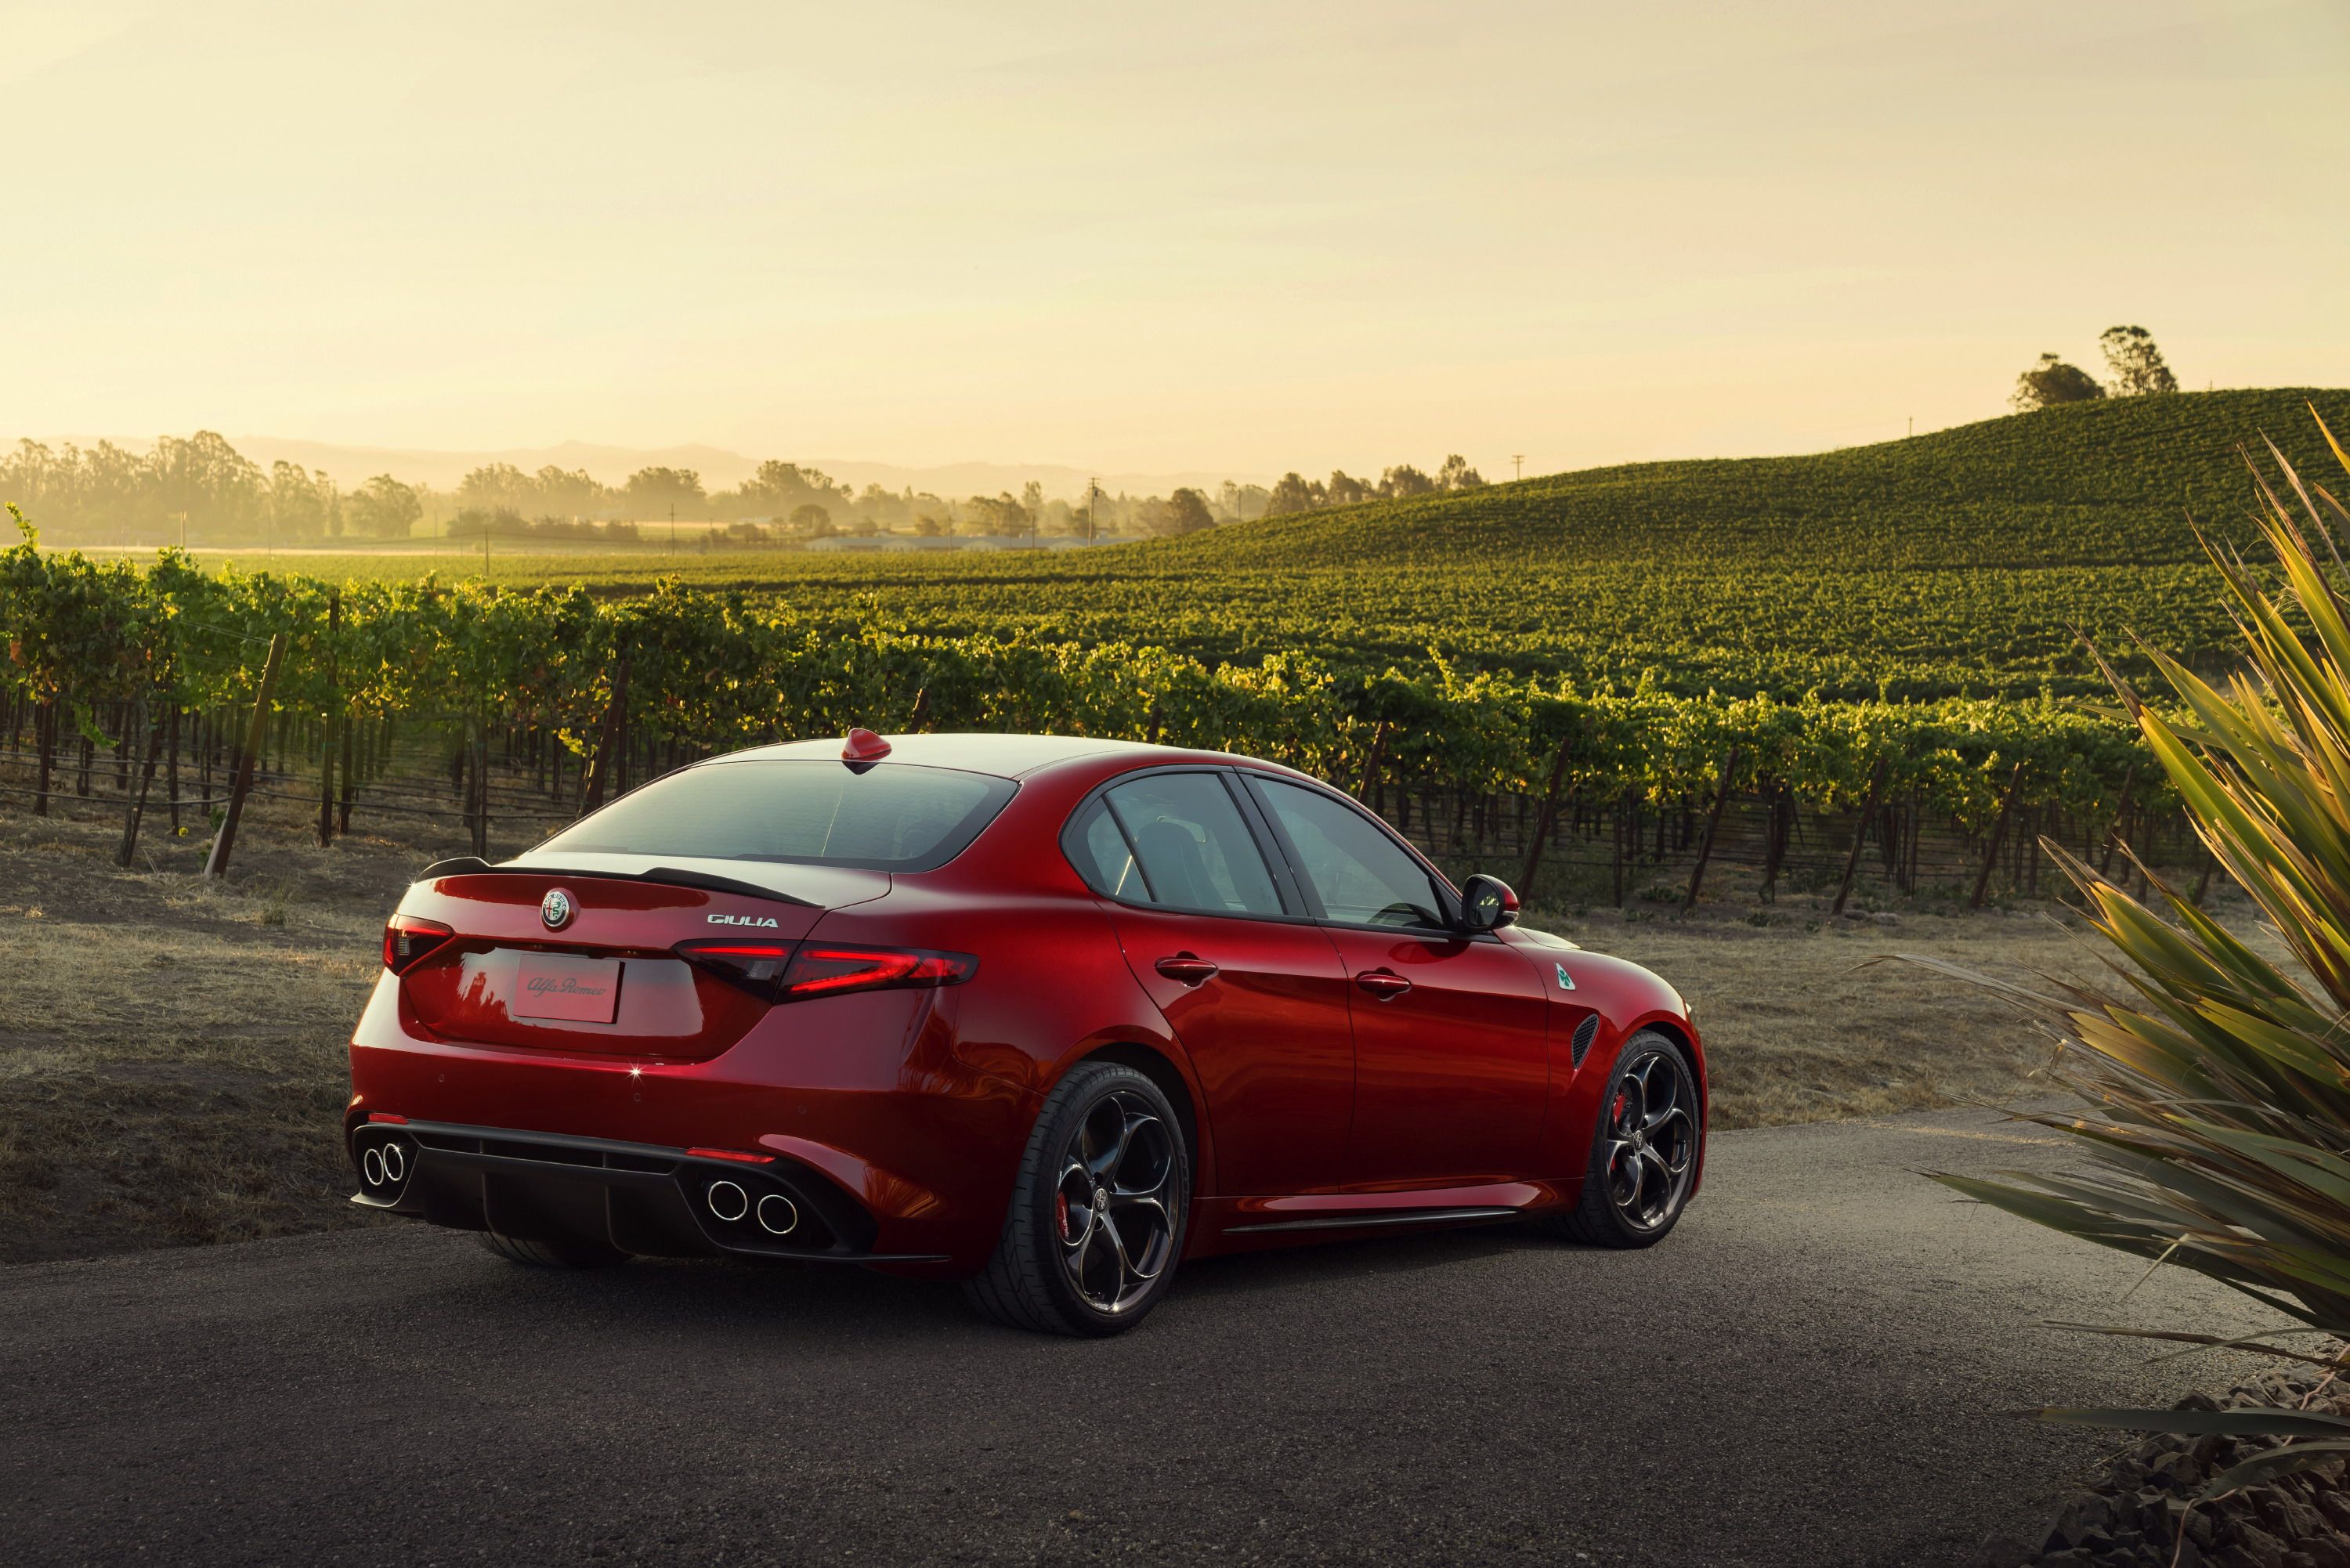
[(1109, 1207), (1096, 1221), (1645, 1148)]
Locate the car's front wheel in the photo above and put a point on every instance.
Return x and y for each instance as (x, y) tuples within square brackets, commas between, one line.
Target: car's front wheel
[(1645, 1149), (1097, 1218)]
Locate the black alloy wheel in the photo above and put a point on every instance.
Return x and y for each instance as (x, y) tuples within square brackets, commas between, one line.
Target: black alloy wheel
[(1645, 1148), (1096, 1217)]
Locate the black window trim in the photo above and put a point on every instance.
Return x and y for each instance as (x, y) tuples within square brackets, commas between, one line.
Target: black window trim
[(1295, 911), (1447, 897)]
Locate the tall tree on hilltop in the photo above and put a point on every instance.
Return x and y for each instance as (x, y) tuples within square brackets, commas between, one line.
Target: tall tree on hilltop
[(1294, 494), (2053, 381), (1456, 475), (2133, 364), (1403, 479)]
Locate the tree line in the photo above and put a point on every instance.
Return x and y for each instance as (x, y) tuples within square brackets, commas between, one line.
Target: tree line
[(201, 489)]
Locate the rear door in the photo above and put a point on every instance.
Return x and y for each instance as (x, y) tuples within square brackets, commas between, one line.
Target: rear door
[(1451, 1062), (1249, 984)]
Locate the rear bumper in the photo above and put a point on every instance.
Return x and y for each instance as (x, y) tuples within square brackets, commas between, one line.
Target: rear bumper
[(871, 1120), (638, 1197)]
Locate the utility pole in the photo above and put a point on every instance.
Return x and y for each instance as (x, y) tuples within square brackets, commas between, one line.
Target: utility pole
[(1913, 424), (1518, 462), (485, 550), (1093, 495), (672, 527)]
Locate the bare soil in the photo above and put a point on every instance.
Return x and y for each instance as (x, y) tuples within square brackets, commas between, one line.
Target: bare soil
[(172, 1053)]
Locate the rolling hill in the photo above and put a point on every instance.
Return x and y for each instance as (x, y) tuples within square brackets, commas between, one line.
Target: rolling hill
[(2085, 485)]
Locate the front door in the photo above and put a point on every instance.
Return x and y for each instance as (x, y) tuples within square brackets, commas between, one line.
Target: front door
[(1452, 1059), (1254, 990)]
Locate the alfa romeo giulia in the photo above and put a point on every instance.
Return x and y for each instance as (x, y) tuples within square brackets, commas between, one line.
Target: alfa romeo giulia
[(1044, 1013)]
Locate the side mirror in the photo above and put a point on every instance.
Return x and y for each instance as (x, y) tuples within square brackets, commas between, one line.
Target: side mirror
[(1487, 904)]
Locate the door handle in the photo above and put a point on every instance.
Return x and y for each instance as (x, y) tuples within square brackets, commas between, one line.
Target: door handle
[(1189, 968), (1383, 984)]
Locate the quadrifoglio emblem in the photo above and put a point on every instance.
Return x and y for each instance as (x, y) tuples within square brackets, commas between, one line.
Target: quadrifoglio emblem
[(766, 920)]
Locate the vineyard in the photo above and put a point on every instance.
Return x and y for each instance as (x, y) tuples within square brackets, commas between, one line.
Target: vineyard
[(509, 711)]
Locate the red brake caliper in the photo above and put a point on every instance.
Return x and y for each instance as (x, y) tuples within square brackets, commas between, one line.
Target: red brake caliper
[(1061, 1212)]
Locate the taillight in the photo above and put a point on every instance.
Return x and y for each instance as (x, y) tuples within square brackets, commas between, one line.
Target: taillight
[(407, 938), (822, 969), (794, 973), (755, 966)]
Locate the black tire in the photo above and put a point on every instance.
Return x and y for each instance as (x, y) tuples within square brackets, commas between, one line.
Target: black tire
[(1664, 1157), (1063, 1267), (539, 1255)]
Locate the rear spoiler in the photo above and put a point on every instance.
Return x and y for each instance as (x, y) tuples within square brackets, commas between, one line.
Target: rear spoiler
[(666, 876)]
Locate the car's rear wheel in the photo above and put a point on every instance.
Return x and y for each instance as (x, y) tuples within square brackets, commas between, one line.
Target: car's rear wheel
[(1645, 1149), (1097, 1212), (540, 1254)]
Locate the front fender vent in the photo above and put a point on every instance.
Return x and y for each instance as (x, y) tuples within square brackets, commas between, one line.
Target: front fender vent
[(1584, 1033)]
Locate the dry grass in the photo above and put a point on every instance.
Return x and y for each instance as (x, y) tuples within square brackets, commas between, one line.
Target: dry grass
[(1807, 1019), (171, 1062), (171, 1054)]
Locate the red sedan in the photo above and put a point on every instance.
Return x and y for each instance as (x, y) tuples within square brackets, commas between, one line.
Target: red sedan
[(1044, 1013)]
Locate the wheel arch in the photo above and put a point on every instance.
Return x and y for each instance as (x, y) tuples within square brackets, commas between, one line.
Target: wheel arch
[(1173, 1082)]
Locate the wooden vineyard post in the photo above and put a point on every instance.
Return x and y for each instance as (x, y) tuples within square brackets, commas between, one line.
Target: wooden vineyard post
[(224, 841), (2121, 815), (343, 807), (481, 788), (1543, 818), (1860, 836), (1712, 830), (1371, 761), (1998, 832), (149, 744), (595, 777), (44, 740), (327, 739)]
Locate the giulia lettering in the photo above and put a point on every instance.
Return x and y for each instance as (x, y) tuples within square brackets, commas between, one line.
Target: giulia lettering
[(766, 920)]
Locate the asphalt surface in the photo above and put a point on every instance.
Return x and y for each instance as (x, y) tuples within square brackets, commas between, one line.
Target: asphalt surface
[(1819, 1367)]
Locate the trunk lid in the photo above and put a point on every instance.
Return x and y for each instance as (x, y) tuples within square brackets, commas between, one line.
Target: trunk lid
[(605, 978)]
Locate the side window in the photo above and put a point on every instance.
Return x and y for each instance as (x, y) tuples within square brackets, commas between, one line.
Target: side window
[(1103, 858), (1195, 852), (1362, 876)]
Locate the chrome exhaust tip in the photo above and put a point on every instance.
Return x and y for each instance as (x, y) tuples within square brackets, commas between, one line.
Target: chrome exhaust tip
[(371, 1166), (728, 1202), (395, 1162), (778, 1215)]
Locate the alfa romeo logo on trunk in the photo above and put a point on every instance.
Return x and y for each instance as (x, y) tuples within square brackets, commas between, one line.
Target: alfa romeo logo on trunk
[(555, 909)]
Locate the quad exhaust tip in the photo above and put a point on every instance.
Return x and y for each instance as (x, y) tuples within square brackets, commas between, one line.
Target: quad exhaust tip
[(728, 1202), (778, 1215), (384, 1164)]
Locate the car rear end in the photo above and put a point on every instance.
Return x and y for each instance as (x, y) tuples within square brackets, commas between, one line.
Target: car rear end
[(669, 1030)]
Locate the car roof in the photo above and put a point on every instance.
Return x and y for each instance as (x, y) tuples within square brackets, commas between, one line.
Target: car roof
[(1007, 756)]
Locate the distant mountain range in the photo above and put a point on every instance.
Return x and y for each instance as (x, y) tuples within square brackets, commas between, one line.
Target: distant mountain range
[(720, 469)]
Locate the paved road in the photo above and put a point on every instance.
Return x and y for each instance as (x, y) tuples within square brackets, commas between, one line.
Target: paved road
[(1811, 1371)]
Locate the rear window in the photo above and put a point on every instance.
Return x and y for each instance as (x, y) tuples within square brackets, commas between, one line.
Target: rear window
[(893, 817)]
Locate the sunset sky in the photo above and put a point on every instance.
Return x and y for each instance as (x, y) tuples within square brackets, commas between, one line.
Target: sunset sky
[(1239, 237)]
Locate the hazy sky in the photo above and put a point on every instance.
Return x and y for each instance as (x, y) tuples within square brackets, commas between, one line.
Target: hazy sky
[(1242, 237)]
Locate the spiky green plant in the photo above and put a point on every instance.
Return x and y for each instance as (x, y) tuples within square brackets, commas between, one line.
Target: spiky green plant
[(2219, 1124)]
